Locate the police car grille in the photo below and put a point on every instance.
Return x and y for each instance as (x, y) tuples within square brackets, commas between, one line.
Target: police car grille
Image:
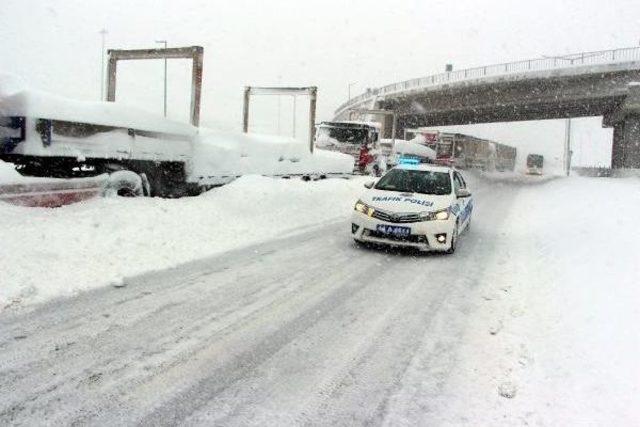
[(396, 218)]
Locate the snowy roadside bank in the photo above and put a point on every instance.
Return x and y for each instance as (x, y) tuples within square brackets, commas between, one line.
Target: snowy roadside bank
[(552, 338), (513, 178), (8, 174), (47, 253)]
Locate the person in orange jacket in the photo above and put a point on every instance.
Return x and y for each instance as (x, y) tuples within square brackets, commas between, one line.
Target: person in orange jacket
[(364, 158)]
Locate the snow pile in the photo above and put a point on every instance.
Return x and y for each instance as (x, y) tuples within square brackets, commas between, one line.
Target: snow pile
[(509, 177), (553, 334), (51, 252), (8, 173), (412, 148), (10, 84), (228, 153), (565, 298)]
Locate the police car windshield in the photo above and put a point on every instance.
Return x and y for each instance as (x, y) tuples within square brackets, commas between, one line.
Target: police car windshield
[(416, 181)]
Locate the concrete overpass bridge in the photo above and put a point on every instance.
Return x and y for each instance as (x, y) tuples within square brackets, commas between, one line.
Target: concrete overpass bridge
[(603, 83)]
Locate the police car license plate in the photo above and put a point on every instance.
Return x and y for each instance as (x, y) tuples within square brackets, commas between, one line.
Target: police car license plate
[(393, 230)]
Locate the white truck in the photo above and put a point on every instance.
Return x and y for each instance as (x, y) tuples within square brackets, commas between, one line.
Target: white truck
[(358, 139), (49, 136), (372, 154)]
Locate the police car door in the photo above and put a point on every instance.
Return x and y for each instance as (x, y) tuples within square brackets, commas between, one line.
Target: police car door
[(463, 203)]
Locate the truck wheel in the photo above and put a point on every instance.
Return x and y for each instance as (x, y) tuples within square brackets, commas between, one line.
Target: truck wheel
[(454, 240), (127, 184)]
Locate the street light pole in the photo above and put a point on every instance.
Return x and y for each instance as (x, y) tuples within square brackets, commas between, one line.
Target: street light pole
[(567, 147), (165, 77), (279, 106), (103, 33), (294, 116), (349, 89)]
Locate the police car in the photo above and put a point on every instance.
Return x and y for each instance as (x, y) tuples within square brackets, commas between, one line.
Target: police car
[(414, 205)]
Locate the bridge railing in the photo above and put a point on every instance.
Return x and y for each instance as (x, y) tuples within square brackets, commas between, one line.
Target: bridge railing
[(538, 64)]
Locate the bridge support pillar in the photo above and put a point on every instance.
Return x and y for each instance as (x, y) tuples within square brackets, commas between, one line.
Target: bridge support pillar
[(625, 150), (617, 147), (632, 142), (388, 127)]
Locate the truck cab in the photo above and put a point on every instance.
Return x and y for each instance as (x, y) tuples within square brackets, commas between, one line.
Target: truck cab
[(534, 164), (361, 140)]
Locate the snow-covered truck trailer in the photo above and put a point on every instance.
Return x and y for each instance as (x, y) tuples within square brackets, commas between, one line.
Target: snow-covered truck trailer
[(50, 136), (465, 151)]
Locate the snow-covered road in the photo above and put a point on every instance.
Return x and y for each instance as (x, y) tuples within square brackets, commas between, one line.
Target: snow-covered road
[(309, 329)]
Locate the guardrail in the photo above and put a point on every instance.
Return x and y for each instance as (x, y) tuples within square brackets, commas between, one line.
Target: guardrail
[(539, 64)]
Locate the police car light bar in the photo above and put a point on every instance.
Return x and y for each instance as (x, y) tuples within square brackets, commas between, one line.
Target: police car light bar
[(408, 161)]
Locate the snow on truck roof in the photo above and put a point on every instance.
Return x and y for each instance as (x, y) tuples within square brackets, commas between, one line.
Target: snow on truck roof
[(350, 123), (30, 103)]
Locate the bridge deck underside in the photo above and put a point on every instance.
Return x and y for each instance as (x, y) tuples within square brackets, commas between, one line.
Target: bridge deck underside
[(538, 99), (510, 113)]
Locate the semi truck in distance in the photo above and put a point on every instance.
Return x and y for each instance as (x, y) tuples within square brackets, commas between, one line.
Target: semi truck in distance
[(534, 164), (465, 151)]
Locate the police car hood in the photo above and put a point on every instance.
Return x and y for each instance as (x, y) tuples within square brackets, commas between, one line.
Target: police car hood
[(395, 201)]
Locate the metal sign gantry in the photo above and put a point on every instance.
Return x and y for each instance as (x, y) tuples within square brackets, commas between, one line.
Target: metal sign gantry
[(195, 53), (311, 91)]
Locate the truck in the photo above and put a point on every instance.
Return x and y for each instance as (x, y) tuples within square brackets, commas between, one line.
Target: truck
[(353, 137), (45, 135), (358, 139), (465, 151), (534, 164)]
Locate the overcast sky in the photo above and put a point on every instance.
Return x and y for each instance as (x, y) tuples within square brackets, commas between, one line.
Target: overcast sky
[(55, 45)]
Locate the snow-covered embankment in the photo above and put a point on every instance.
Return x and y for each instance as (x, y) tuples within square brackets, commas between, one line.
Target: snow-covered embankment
[(46, 253), (553, 337)]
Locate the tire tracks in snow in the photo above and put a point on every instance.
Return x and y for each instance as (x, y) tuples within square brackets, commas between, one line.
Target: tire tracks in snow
[(303, 329)]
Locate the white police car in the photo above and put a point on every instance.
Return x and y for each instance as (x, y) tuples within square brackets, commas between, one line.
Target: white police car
[(420, 206)]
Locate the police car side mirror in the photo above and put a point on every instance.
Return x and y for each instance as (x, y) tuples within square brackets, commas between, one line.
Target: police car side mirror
[(463, 192), (369, 184)]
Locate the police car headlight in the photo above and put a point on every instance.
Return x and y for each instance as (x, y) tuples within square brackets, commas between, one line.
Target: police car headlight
[(441, 215), (361, 207)]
